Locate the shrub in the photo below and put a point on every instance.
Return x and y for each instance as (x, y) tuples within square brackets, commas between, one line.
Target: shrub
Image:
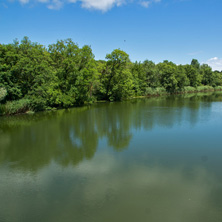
[(3, 93), (15, 107), (149, 91), (155, 91), (160, 91), (204, 88), (218, 88), (189, 89), (37, 103)]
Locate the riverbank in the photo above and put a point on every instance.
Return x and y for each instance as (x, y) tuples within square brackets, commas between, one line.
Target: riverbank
[(23, 106), (187, 90)]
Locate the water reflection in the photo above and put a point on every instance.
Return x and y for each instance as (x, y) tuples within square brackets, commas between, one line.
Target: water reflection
[(63, 166), (70, 136), (104, 189)]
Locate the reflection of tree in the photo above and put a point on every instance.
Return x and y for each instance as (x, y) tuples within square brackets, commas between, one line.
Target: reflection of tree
[(78, 138), (118, 123), (70, 136)]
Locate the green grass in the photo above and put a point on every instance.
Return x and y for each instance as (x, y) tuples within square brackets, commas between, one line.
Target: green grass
[(189, 89), (204, 88), (218, 87), (3, 93), (15, 107), (155, 91)]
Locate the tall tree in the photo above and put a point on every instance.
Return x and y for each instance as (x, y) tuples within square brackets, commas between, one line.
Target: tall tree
[(168, 79), (139, 78), (193, 75), (208, 77), (195, 64), (152, 74), (118, 80), (76, 71)]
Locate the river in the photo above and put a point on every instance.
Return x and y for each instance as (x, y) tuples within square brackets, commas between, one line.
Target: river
[(154, 159)]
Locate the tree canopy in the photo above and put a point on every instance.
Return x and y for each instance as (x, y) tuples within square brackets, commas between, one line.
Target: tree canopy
[(63, 75)]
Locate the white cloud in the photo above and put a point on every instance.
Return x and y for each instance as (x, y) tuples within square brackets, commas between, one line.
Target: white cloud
[(24, 1), (145, 4), (55, 4), (215, 63), (100, 5), (195, 53)]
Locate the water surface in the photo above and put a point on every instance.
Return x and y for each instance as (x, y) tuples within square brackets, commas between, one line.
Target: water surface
[(157, 159)]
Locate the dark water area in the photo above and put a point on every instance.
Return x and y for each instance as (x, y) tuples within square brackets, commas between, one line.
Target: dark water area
[(153, 159)]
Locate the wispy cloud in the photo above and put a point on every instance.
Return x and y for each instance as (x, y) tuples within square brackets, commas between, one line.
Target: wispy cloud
[(24, 1), (55, 4), (44, 1), (215, 63), (146, 4), (103, 5), (100, 5), (4, 5), (194, 53)]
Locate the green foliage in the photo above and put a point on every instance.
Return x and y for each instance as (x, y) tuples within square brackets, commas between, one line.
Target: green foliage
[(151, 74), (217, 78), (75, 72), (189, 89), (3, 93), (168, 78), (161, 91), (117, 80), (150, 91), (139, 78), (207, 75), (15, 107), (33, 77), (204, 88), (218, 88), (182, 79), (193, 75), (158, 91), (195, 64)]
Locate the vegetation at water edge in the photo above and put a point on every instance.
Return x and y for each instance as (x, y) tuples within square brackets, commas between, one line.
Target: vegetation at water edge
[(34, 77)]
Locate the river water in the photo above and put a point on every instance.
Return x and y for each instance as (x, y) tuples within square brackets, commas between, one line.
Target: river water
[(156, 159)]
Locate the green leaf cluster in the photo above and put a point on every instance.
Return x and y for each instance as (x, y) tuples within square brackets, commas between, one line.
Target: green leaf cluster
[(35, 77)]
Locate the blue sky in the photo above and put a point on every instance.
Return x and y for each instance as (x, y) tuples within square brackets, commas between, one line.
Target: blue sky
[(176, 30)]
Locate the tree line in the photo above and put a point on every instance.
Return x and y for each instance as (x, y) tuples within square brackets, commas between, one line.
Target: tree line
[(62, 75)]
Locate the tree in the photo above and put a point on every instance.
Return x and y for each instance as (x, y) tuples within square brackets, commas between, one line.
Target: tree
[(195, 64), (208, 77), (9, 56), (168, 79), (152, 74), (117, 80), (182, 79), (76, 72), (193, 75), (218, 78), (139, 78)]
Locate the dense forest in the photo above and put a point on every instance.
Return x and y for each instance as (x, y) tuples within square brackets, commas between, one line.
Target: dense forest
[(34, 77)]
